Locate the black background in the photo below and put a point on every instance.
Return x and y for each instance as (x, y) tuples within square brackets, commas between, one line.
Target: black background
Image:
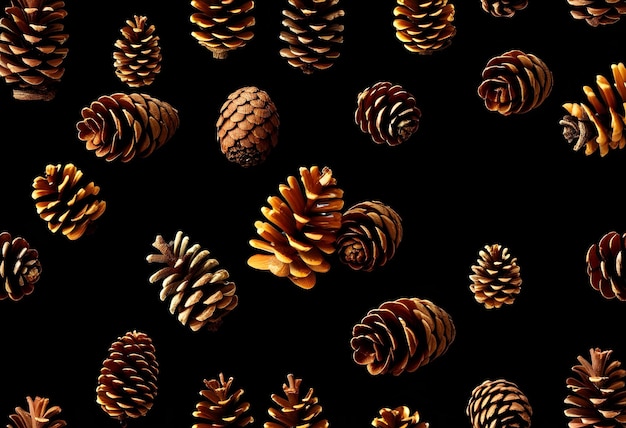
[(468, 177)]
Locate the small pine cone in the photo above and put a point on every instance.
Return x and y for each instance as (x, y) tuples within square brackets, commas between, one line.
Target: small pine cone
[(515, 83), (503, 8), (38, 415), (388, 113), (220, 407), (137, 54), (313, 31), (606, 266), (597, 12), (400, 417), (32, 49), (20, 267), (598, 392), (247, 126), (127, 126), (424, 27), (496, 280), (302, 227), (295, 411), (223, 25), (498, 404), (66, 201), (401, 335), (199, 294)]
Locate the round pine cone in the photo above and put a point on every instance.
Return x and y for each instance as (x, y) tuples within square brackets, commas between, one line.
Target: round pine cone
[(606, 266), (247, 127), (496, 280), (424, 27), (294, 410), (597, 12), (503, 8), (137, 55), (38, 415), (498, 404), (20, 267), (220, 406), (400, 417)]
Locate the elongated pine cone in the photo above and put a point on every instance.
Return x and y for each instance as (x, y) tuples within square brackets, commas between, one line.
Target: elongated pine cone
[(369, 235), (221, 406), (388, 113), (223, 25), (399, 417), (302, 227), (597, 12), (503, 8), (66, 201), (498, 404), (247, 126), (20, 267), (293, 410), (598, 392), (496, 279), (401, 336), (137, 55), (39, 415), (32, 51), (127, 384), (424, 27), (606, 266), (313, 31)]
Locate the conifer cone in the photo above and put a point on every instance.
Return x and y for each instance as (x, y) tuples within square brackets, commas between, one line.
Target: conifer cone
[(66, 201), (606, 266), (295, 411), (199, 293), (313, 32), (496, 280), (598, 392), (401, 336), (221, 406), (39, 415), (137, 55), (503, 8), (597, 12), (20, 267), (399, 417), (223, 25), (498, 404), (32, 52), (424, 27), (127, 126)]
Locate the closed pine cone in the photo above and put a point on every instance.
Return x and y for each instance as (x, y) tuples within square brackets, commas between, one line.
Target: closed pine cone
[(313, 31), (20, 267), (32, 49), (401, 336), (294, 410), (399, 417), (424, 27), (498, 404), (597, 12), (503, 8), (606, 263), (247, 126), (127, 126), (137, 55), (388, 113), (39, 415), (66, 201), (199, 293), (220, 406), (496, 280)]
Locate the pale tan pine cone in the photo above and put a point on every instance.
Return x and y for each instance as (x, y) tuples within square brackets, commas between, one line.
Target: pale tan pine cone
[(20, 267), (295, 409), (498, 403), (496, 280), (424, 27), (221, 405), (597, 12), (503, 8), (38, 415), (398, 417), (137, 55), (606, 266)]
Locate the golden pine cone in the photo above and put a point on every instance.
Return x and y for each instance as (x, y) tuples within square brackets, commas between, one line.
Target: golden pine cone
[(496, 279), (39, 415), (220, 406), (301, 229), (424, 27), (606, 266), (295, 411), (498, 404), (66, 201), (137, 55), (503, 8), (597, 12), (20, 267), (399, 417)]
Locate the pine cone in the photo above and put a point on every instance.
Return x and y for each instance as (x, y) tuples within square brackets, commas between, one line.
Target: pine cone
[(247, 127), (606, 266), (313, 31), (503, 8), (496, 280), (498, 404), (296, 411), (127, 126), (424, 27), (137, 54), (400, 417), (127, 385), (38, 415), (220, 407), (515, 83), (66, 201), (302, 227), (597, 12), (598, 394), (388, 113), (369, 235), (401, 335), (223, 25), (31, 48), (20, 267)]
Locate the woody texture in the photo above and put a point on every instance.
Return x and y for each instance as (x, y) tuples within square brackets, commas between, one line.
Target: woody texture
[(38, 414), (424, 27), (137, 53), (498, 403), (606, 266), (503, 8), (398, 417), (295, 408), (597, 12), (221, 405), (20, 268), (496, 279)]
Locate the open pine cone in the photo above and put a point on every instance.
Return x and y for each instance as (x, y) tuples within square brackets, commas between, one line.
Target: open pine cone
[(498, 404), (503, 8), (137, 54), (39, 415), (221, 406), (424, 27), (496, 279), (20, 267), (399, 417), (294, 410), (606, 266), (597, 12)]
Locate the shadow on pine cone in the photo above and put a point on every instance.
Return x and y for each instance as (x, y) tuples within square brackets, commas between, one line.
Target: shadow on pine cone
[(137, 54), (294, 410), (498, 404), (399, 417), (424, 27), (606, 266), (20, 267), (503, 8), (597, 12), (496, 279), (221, 406), (39, 415)]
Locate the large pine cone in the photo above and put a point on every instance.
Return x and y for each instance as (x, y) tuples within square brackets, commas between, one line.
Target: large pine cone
[(424, 27), (20, 267), (137, 55), (606, 266), (199, 293), (313, 31), (247, 127), (496, 280), (388, 113), (302, 227), (597, 12), (220, 406), (498, 404), (294, 410), (66, 201), (38, 415), (503, 8), (127, 384), (399, 417), (32, 48), (223, 25), (401, 335)]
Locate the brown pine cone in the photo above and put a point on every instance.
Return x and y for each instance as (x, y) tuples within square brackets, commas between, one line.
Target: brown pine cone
[(127, 126), (496, 280), (369, 235), (247, 126), (20, 267), (401, 335), (223, 26), (400, 417), (313, 31), (199, 293), (424, 27), (137, 54), (221, 407), (66, 201), (38, 415), (606, 266), (498, 404), (32, 48), (515, 83), (597, 12), (295, 411), (503, 8), (388, 113), (302, 227)]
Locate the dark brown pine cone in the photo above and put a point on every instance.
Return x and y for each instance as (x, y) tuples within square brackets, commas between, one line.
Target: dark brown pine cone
[(401, 335), (503, 8), (424, 27), (388, 113), (597, 12), (127, 126), (199, 293), (498, 404), (39, 415), (247, 126), (220, 406), (606, 266), (399, 417), (20, 267), (32, 49), (137, 54), (66, 201), (294, 410), (496, 280)]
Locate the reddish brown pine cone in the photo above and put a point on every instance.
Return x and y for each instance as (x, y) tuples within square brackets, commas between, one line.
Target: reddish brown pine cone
[(20, 267), (496, 279), (399, 417), (137, 54), (503, 8), (424, 27), (295, 410), (221, 406), (606, 266), (39, 415), (498, 404), (597, 12)]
